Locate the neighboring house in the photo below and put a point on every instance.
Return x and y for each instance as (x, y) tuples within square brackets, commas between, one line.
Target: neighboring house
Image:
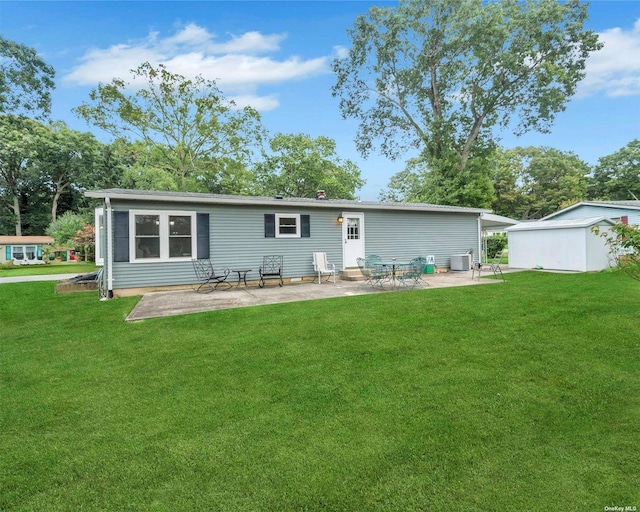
[(559, 245), (23, 249), (147, 239), (627, 212)]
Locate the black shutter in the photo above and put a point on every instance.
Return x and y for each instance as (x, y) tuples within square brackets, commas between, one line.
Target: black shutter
[(269, 225), (203, 235), (305, 226), (120, 236)]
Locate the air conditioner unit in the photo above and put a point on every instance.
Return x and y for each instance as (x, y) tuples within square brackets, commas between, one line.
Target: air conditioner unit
[(461, 262)]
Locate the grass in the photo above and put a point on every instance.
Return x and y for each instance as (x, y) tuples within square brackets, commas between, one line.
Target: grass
[(50, 268), (522, 396)]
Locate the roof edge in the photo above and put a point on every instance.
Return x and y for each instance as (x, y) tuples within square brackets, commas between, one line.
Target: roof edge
[(589, 203), (194, 197), (559, 224)]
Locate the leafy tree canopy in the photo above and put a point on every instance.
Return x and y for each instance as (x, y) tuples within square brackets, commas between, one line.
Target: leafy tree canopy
[(188, 126), (441, 184), (18, 148), (26, 80), (65, 159), (299, 166), (617, 176), (65, 228), (436, 76), (532, 182)]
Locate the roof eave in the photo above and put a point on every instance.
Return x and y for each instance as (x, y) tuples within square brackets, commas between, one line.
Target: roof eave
[(590, 203), (240, 200)]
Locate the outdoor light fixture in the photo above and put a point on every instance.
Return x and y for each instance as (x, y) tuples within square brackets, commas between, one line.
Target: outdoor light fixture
[(340, 219)]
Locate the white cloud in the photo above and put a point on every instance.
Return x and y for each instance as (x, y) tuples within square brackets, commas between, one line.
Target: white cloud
[(261, 103), (238, 64), (614, 70), (340, 52)]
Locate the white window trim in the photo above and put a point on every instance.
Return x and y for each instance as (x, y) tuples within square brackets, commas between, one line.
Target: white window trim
[(164, 235), (99, 232), (288, 235)]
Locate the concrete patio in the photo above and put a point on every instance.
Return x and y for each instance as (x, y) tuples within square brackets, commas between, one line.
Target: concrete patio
[(160, 304)]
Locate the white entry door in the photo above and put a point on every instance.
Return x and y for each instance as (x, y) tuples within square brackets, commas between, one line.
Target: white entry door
[(353, 238)]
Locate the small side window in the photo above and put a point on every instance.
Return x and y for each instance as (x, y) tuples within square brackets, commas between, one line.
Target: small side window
[(287, 225)]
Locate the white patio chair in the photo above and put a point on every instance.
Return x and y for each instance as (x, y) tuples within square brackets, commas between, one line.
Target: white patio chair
[(493, 266), (322, 266)]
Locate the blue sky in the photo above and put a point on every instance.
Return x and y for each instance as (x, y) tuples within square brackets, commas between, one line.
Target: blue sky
[(276, 56)]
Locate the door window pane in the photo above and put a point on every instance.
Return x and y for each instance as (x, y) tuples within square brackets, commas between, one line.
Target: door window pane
[(353, 229)]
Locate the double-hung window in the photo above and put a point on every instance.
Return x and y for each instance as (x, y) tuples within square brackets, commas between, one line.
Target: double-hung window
[(287, 225), (162, 236), (18, 252)]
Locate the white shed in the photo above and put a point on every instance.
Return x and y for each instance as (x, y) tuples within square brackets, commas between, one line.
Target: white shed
[(559, 245)]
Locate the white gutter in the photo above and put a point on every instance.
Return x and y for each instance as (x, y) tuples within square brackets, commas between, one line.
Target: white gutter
[(108, 259), (479, 239)]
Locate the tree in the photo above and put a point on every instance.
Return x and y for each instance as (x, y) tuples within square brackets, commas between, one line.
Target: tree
[(299, 166), (186, 125), (532, 182), (85, 239), (420, 182), (64, 160), (65, 227), (17, 150), (617, 176), (437, 76), (26, 80)]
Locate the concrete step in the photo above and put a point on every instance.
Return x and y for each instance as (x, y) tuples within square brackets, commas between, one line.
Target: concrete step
[(351, 274)]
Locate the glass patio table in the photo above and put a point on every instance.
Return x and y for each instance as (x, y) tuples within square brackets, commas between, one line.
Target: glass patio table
[(394, 265)]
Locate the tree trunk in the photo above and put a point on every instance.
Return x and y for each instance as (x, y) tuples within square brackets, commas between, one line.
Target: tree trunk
[(16, 211), (56, 197), (54, 205)]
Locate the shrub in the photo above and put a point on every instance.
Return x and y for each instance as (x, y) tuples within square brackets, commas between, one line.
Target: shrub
[(624, 242), (495, 244)]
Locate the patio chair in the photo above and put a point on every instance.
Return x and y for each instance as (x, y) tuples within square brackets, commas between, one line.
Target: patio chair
[(374, 274), (207, 276), (411, 275), (493, 266), (322, 266), (271, 269)]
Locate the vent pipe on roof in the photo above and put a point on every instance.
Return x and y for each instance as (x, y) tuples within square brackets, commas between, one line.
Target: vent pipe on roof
[(320, 194)]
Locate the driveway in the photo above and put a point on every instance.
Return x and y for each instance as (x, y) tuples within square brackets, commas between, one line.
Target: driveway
[(47, 277)]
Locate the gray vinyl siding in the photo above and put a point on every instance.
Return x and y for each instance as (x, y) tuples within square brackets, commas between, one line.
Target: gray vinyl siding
[(586, 211), (406, 235), (237, 240)]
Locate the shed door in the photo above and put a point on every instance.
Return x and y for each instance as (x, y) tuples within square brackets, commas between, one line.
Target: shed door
[(353, 238)]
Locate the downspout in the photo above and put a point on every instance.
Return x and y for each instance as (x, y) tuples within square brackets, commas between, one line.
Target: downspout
[(479, 238), (108, 258)]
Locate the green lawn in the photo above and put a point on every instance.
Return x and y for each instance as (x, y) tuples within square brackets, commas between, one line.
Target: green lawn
[(51, 268), (521, 396)]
